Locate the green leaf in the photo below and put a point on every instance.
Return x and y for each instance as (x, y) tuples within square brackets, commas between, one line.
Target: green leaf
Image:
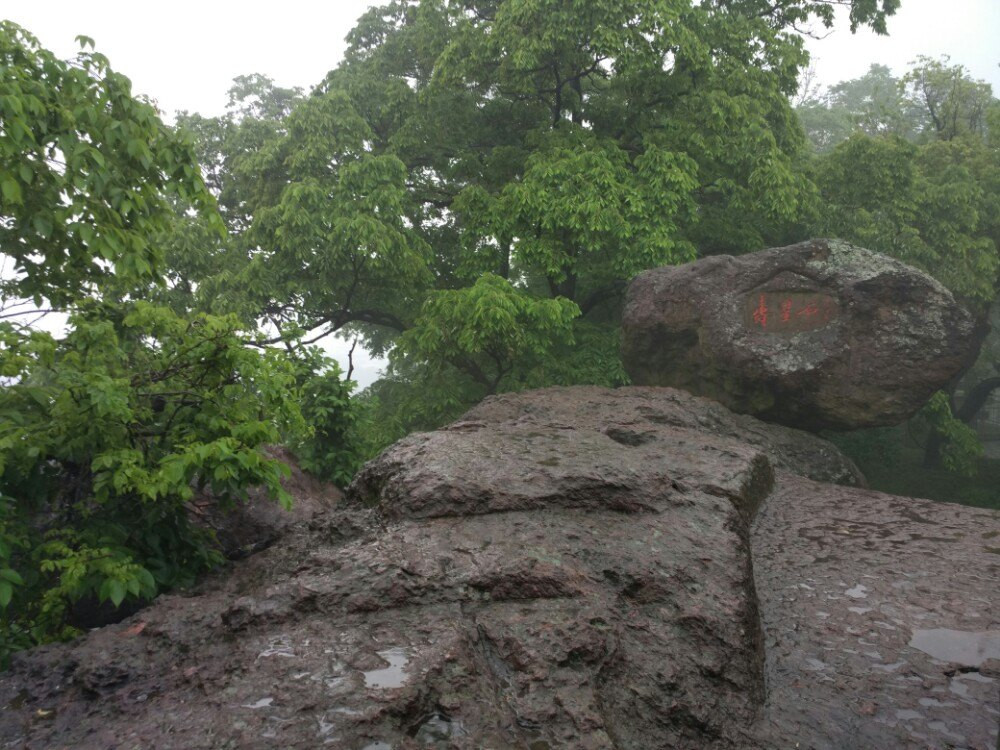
[(43, 225), (116, 591), (6, 592), (11, 190), (11, 575)]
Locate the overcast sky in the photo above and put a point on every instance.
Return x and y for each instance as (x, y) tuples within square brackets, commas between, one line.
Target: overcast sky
[(184, 54)]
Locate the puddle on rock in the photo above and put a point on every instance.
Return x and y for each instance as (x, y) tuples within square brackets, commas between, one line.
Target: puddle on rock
[(815, 665), (394, 675), (858, 592), (965, 647), (932, 702), (439, 727), (957, 684), (280, 645), (889, 667), (377, 746), (262, 703)]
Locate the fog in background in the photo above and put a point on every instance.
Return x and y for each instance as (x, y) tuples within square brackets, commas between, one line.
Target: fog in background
[(184, 55)]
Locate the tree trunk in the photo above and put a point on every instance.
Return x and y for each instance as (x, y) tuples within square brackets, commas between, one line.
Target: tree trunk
[(977, 398)]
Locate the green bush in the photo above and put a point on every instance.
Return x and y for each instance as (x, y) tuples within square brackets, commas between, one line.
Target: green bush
[(104, 437), (960, 446), (328, 446)]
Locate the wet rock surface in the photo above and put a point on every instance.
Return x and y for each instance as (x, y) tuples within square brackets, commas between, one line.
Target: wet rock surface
[(816, 335), (881, 620), (637, 414), (563, 569)]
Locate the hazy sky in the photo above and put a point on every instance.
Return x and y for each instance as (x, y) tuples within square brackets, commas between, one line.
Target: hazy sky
[(184, 54)]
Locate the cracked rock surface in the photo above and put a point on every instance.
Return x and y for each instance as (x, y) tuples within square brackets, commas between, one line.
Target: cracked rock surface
[(568, 568)]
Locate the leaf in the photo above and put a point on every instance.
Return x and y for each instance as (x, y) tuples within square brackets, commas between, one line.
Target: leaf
[(116, 591), (11, 575), (43, 225), (6, 592), (11, 190)]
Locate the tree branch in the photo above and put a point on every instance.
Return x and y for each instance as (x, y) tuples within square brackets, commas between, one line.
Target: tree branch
[(977, 398), (598, 296)]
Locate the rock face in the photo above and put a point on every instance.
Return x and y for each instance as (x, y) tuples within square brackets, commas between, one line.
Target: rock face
[(635, 415), (881, 620), (815, 335), (259, 522), (569, 568)]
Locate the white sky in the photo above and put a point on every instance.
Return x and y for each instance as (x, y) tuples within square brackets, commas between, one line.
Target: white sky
[(184, 54)]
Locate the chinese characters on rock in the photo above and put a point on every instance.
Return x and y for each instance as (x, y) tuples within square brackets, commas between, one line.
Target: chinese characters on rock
[(792, 312)]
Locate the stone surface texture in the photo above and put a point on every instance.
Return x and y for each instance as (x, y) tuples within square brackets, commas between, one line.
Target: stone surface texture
[(881, 617), (570, 568), (258, 522), (819, 335)]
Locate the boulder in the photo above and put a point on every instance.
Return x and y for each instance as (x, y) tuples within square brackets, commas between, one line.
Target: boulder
[(258, 521), (815, 335), (571, 568)]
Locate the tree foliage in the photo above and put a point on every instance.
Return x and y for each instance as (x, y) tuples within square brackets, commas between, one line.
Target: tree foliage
[(327, 442), (911, 167), (874, 104), (87, 172), (108, 430), (516, 151), (106, 434), (934, 206)]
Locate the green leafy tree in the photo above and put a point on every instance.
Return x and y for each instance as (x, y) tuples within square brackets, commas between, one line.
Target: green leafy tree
[(87, 173), (928, 193), (557, 147), (875, 104), (952, 102), (106, 434), (932, 206), (326, 443)]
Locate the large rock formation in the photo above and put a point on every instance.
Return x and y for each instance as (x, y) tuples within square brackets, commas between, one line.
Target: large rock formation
[(815, 335), (569, 568)]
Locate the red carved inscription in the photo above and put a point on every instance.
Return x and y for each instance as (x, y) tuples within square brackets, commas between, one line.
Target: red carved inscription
[(789, 312)]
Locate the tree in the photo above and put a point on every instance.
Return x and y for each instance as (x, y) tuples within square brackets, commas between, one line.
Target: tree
[(953, 103), (931, 199), (330, 446), (874, 104), (561, 146), (87, 173), (106, 432), (933, 206), (105, 435)]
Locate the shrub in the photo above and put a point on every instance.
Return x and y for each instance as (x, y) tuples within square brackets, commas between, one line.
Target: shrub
[(104, 437)]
